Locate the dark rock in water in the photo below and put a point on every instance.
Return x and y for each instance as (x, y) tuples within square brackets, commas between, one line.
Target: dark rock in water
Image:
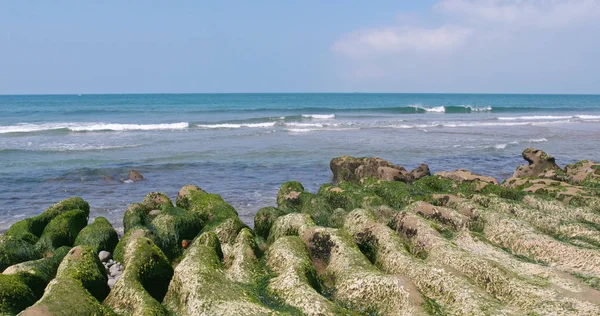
[(539, 164), (135, 176), (109, 178), (353, 169)]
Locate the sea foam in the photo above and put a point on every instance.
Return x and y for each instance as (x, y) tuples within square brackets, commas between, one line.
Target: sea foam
[(90, 127), (231, 125), (319, 116)]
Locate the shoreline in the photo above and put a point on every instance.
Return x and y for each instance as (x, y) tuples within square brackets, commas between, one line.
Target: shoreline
[(380, 238)]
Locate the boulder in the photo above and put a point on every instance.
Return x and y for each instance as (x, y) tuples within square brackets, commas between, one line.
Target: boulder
[(143, 282), (421, 171), (351, 169), (14, 250), (463, 175), (62, 230), (104, 256), (135, 176), (30, 229), (100, 235), (583, 171), (79, 287), (37, 273), (539, 164)]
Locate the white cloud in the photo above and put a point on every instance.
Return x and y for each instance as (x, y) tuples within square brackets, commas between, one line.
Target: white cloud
[(479, 45), (391, 40), (528, 13)]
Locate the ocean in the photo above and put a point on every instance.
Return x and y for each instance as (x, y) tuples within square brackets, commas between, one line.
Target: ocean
[(244, 146)]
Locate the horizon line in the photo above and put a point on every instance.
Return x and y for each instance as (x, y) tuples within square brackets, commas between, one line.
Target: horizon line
[(357, 92)]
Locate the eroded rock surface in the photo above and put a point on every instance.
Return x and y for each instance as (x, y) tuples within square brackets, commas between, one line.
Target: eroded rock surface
[(455, 243)]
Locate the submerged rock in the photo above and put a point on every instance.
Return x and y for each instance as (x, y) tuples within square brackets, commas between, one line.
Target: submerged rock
[(135, 176)]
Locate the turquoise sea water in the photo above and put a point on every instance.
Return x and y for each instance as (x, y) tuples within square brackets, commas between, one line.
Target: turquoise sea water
[(244, 146)]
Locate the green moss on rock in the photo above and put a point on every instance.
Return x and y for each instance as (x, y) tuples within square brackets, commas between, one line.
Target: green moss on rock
[(62, 230), (66, 297), (119, 253), (37, 273), (14, 250), (15, 295), (156, 201), (172, 226), (200, 285), (100, 235), (30, 229), (144, 281), (135, 215), (288, 195), (81, 263), (264, 219), (184, 195)]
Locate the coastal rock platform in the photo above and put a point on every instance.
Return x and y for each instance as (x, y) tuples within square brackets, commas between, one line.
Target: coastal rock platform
[(379, 240)]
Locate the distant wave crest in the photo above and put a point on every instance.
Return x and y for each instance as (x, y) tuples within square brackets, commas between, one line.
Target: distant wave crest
[(89, 127)]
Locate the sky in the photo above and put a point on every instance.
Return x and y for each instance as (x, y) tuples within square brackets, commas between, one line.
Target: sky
[(444, 46)]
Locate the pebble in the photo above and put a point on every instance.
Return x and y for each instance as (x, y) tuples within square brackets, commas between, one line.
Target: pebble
[(111, 282), (104, 256), (115, 269)]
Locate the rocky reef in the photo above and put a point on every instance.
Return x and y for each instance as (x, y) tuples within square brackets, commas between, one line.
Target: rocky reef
[(379, 240)]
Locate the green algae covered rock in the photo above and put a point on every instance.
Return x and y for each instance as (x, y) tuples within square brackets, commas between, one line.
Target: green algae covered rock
[(156, 201), (264, 219), (144, 281), (220, 217), (184, 195), (243, 263), (172, 226), (37, 273), (100, 235), (81, 263), (78, 288), (14, 250), (15, 295), (66, 297), (200, 285), (119, 253), (30, 229), (297, 282), (288, 197), (168, 225), (62, 230), (135, 215)]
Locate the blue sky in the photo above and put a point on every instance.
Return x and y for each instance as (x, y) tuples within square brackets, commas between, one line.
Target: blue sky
[(520, 46)]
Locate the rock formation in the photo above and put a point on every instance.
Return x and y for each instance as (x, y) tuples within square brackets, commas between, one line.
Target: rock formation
[(454, 243)]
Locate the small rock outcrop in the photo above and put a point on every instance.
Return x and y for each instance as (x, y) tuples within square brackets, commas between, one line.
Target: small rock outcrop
[(135, 176), (540, 163), (583, 171), (351, 169)]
